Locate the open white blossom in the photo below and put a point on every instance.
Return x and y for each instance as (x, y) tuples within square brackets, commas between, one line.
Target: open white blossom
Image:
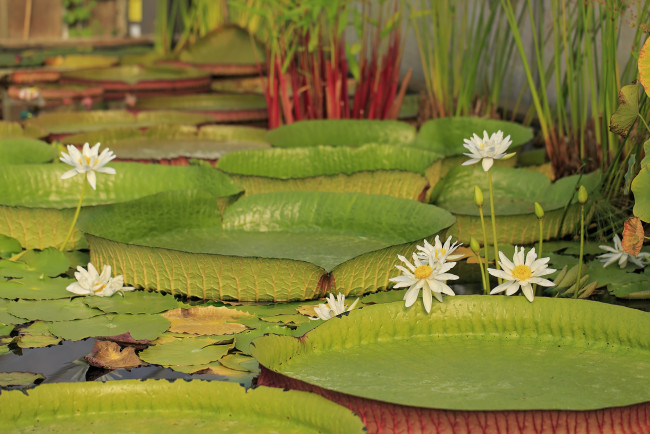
[(618, 254), (334, 307), (428, 274), (89, 282), (438, 251), (521, 273), (88, 161), (486, 149)]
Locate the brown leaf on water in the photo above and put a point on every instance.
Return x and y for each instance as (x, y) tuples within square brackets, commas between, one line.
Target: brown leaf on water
[(208, 320), (308, 309), (633, 236), (109, 355)]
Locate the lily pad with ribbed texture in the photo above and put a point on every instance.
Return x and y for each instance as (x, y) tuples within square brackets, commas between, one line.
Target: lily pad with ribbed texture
[(341, 132), (36, 206), (136, 74), (161, 406), (273, 246), (77, 122), (26, 151), (372, 169), (204, 102), (515, 193), (475, 353), (172, 141)]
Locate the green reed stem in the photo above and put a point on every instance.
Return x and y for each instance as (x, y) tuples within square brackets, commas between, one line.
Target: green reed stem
[(539, 254), (582, 249), (494, 223), (76, 214), (485, 248)]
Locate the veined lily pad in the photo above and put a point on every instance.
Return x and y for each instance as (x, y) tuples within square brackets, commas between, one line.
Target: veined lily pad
[(133, 302), (158, 405), (341, 132), (26, 151), (273, 246), (139, 326), (515, 192), (65, 123), (229, 50), (489, 354), (222, 107), (53, 310), (36, 206), (176, 143), (445, 136), (141, 80), (372, 169)]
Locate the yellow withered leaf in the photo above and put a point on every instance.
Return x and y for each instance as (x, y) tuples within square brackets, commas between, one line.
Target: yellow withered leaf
[(209, 320)]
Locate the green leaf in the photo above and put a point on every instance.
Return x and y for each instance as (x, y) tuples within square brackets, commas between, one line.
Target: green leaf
[(644, 66), (270, 247), (228, 45), (77, 122), (9, 246), (8, 379), (133, 302), (26, 151), (240, 362), (341, 132), (521, 346), (139, 326), (34, 288), (187, 351), (641, 187), (50, 261), (52, 310), (36, 206), (146, 406), (627, 111), (37, 335), (6, 317)]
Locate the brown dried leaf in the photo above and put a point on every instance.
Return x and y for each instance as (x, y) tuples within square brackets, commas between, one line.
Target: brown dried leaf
[(208, 320), (633, 236), (308, 309), (109, 355)]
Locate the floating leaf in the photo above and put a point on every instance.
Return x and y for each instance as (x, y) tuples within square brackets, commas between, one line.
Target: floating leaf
[(36, 335), (140, 326), (9, 246), (5, 330), (30, 288), (188, 351), (240, 362), (109, 355), (8, 379), (50, 261), (26, 151), (6, 317), (53, 310), (641, 185), (286, 319), (633, 236), (206, 320), (308, 309), (628, 110), (644, 66), (243, 340), (133, 302)]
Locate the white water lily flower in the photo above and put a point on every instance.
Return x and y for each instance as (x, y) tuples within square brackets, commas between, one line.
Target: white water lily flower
[(521, 273), (430, 275), (89, 282), (438, 251), (88, 161), (486, 149), (334, 307), (619, 254)]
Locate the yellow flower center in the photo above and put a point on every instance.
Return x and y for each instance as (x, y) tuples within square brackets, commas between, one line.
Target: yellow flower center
[(423, 272), (522, 272), (440, 253), (99, 287), (481, 145), (87, 158)]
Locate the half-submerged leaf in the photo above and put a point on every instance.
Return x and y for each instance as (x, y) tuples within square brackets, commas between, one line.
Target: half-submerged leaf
[(109, 355), (208, 320), (187, 351)]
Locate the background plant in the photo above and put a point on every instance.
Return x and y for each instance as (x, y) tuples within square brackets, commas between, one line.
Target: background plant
[(77, 16)]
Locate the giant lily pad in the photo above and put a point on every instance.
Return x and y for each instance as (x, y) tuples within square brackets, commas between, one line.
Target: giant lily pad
[(229, 50), (372, 169), (16, 130), (36, 206), (515, 192), (341, 132), (485, 354), (273, 246), (141, 80), (175, 144), (139, 326), (222, 107), (26, 151), (65, 123), (158, 405), (445, 136)]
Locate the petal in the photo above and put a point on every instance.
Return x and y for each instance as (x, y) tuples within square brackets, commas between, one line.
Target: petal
[(472, 161), (530, 257), (75, 288), (411, 295), (427, 298), (501, 287), (513, 288), (92, 180), (540, 281), (487, 163), (528, 291), (500, 274)]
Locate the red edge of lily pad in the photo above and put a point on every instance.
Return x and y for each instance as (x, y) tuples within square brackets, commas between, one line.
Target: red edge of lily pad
[(383, 417)]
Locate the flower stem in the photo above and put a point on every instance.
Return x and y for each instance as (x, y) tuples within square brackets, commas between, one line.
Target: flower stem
[(76, 215), (582, 248), (539, 254), (494, 223), (486, 276), (486, 286)]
